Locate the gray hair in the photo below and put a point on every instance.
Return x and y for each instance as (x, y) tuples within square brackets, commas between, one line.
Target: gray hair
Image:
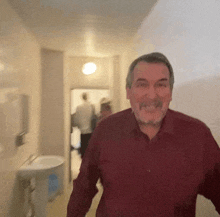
[(155, 57)]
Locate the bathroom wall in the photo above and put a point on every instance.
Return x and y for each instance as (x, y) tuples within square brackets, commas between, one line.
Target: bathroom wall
[(200, 99), (20, 61), (115, 89), (52, 109), (127, 57), (187, 32)]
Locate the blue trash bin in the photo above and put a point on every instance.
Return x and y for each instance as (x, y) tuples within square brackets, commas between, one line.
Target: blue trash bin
[(53, 186)]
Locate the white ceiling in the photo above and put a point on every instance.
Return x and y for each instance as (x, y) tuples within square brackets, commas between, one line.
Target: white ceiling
[(84, 27)]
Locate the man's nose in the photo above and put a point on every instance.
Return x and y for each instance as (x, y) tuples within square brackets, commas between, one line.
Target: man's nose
[(151, 93)]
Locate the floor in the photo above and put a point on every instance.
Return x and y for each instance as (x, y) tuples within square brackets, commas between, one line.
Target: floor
[(57, 208)]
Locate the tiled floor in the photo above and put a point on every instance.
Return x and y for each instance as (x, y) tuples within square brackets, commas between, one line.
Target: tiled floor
[(57, 208)]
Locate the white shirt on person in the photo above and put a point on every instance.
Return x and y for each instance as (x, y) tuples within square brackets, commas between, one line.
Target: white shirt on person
[(83, 117)]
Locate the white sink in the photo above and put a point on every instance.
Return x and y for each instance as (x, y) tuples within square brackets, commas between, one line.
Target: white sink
[(41, 167)]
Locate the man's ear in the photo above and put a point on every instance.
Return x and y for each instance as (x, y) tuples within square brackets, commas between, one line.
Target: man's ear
[(128, 92)]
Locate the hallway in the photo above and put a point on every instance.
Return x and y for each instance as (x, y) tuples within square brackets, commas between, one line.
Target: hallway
[(44, 46), (57, 208)]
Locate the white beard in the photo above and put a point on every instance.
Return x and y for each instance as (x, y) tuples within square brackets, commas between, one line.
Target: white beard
[(153, 116)]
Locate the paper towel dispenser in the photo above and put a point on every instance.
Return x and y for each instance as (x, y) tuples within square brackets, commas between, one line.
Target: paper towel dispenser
[(14, 119), (24, 103), (24, 113)]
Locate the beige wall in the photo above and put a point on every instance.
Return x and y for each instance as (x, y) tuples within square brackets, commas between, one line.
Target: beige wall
[(55, 110), (200, 99), (127, 57), (116, 63), (20, 54), (52, 108), (67, 112), (187, 32)]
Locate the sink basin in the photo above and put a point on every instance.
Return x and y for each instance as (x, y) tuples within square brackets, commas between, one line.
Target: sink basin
[(41, 167)]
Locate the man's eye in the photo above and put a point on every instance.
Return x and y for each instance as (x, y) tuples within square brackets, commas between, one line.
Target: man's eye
[(141, 84), (162, 85)]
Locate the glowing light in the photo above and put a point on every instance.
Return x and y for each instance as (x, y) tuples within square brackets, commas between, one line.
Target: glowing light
[(89, 68)]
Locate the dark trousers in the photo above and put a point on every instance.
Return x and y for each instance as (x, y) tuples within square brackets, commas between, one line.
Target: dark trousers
[(84, 143)]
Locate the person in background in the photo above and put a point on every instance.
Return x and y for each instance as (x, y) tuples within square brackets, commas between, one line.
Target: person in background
[(151, 160), (82, 119), (105, 109)]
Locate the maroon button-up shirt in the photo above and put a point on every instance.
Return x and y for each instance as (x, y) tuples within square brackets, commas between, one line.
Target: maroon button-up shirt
[(148, 178)]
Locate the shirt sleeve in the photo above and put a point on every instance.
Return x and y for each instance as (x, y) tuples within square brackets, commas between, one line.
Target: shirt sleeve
[(84, 187), (210, 187)]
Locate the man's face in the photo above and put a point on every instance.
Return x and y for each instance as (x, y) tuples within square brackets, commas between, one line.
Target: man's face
[(150, 93)]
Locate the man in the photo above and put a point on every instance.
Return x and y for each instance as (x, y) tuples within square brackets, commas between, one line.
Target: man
[(152, 161), (82, 119)]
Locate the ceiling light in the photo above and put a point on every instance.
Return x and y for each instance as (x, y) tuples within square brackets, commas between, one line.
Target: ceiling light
[(89, 68)]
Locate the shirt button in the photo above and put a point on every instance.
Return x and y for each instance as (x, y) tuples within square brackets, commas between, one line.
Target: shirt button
[(148, 171)]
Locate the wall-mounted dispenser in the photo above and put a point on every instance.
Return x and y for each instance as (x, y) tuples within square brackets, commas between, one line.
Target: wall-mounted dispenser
[(13, 122), (23, 101)]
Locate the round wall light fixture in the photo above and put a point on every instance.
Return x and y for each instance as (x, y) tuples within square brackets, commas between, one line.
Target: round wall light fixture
[(89, 68)]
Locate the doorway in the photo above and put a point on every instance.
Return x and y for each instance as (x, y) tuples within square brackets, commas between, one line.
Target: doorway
[(94, 96)]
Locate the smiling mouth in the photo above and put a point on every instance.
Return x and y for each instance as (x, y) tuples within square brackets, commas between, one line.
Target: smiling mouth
[(150, 109), (151, 106)]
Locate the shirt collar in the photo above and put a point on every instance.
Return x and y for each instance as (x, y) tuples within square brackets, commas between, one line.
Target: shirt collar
[(167, 123)]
